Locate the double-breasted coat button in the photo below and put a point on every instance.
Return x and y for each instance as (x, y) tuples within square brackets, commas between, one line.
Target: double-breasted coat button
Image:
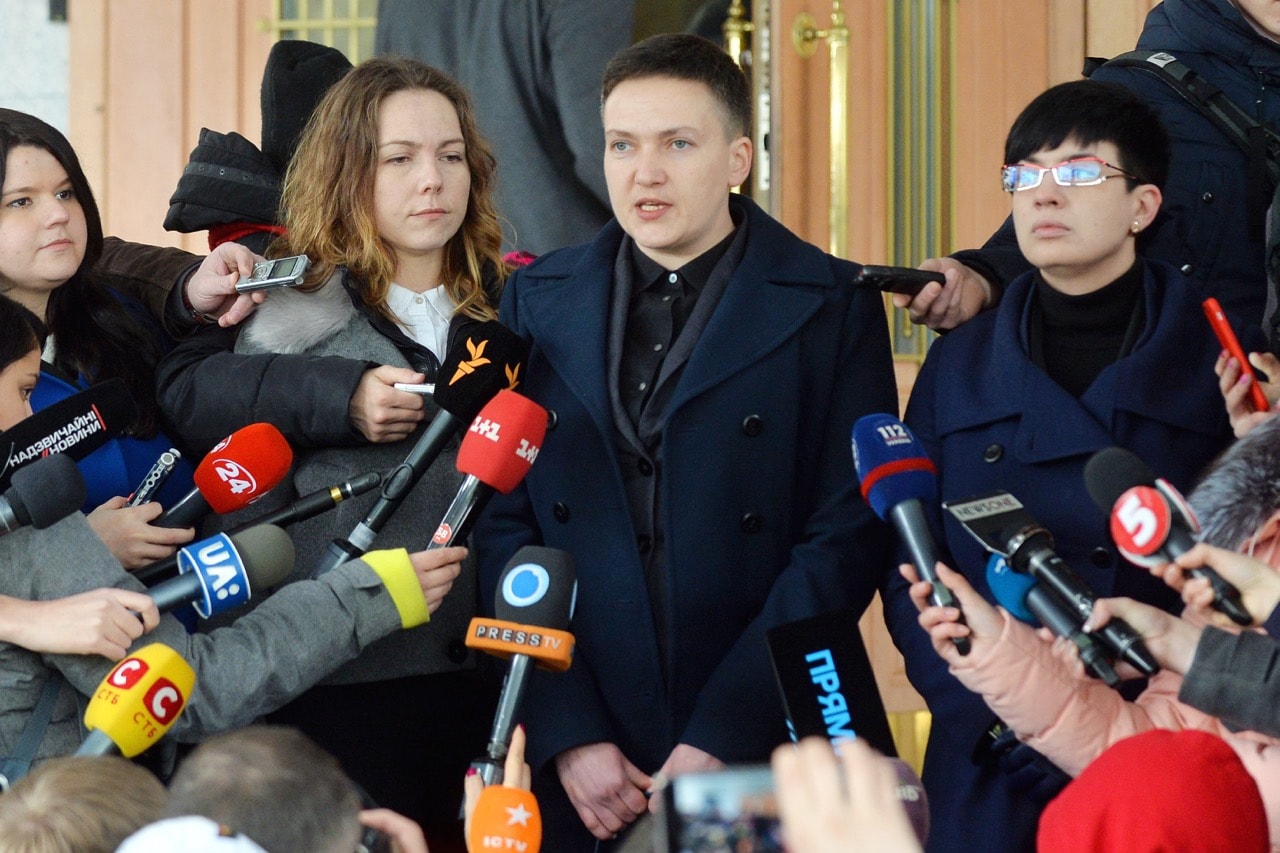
[(457, 651), (643, 543), (752, 522), (752, 425), (552, 419), (561, 512), (992, 453), (645, 467), (1102, 557)]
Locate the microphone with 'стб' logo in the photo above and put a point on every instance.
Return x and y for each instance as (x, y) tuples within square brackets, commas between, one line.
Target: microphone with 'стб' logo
[(536, 595), (138, 701), (241, 468)]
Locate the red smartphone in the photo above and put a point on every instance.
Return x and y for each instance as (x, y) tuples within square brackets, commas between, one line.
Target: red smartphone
[(1227, 338)]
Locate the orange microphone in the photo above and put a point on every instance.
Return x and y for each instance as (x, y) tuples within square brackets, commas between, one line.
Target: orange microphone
[(505, 819), (137, 702)]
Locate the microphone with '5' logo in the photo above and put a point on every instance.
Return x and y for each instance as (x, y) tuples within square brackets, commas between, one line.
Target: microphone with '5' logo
[(898, 479), (535, 600), (137, 702), (241, 468), (496, 453), (1151, 523)]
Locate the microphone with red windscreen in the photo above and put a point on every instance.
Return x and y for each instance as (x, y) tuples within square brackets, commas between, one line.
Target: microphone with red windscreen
[(241, 468), (496, 453)]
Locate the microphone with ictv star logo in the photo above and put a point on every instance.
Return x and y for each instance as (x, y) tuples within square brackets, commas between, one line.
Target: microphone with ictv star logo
[(534, 604), (1151, 523), (495, 455), (241, 468), (898, 479), (137, 702), (505, 819)]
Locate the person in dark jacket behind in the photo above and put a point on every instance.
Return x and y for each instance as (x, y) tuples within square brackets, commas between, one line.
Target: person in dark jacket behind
[(1095, 347), (390, 195), (1208, 227)]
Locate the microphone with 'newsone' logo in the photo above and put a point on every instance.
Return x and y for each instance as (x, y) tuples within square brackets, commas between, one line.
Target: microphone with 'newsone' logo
[(898, 480), (42, 494), (241, 468), (496, 454), (490, 358), (535, 601), (75, 426), (138, 701), (1151, 522), (221, 572)]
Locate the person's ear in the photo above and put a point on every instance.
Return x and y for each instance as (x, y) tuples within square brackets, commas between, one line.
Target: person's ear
[(1147, 199), (739, 160), (1262, 545)]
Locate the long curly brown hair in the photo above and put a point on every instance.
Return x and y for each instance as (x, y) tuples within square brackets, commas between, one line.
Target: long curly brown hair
[(327, 203)]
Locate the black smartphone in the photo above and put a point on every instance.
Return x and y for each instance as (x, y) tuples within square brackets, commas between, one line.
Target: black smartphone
[(896, 279), (730, 809)]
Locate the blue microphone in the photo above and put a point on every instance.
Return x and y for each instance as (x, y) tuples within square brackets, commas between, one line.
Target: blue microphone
[(1029, 602), (220, 572), (898, 479)]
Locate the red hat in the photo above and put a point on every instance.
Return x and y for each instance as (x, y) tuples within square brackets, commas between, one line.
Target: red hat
[(1158, 791)]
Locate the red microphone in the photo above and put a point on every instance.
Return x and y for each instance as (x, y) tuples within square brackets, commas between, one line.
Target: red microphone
[(496, 453), (241, 468)]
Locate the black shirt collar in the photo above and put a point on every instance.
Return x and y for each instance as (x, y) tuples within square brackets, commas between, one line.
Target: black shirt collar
[(649, 273)]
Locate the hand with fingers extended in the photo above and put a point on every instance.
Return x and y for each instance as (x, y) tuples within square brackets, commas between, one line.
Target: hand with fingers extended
[(606, 789), (383, 413), (1170, 639), (507, 811), (830, 806), (982, 622), (945, 306), (98, 622), (1234, 384), (1258, 583), (211, 289), (130, 536)]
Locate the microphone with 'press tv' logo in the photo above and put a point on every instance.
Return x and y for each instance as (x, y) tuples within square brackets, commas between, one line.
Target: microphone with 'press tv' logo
[(241, 468), (534, 604), (75, 426), (488, 359), (138, 701)]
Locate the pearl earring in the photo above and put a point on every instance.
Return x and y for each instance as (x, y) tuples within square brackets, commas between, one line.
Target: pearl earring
[(1135, 227)]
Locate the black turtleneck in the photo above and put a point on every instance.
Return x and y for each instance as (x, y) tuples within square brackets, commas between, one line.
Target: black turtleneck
[(1073, 338)]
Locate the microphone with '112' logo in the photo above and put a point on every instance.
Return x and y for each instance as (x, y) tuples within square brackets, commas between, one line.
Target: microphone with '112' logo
[(496, 453), (535, 601), (241, 468), (137, 702)]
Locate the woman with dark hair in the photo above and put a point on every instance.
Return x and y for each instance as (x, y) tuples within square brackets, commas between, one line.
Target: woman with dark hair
[(50, 239), (390, 196)]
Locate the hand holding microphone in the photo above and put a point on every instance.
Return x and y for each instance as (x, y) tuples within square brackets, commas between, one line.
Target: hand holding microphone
[(1151, 522), (138, 701), (382, 413), (505, 815)]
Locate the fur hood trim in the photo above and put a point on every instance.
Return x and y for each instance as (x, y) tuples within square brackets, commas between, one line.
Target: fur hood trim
[(294, 321), (1241, 489)]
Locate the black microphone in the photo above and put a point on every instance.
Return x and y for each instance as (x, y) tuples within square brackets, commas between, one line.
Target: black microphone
[(1151, 523), (307, 506), (75, 426), (220, 572), (1003, 526), (489, 359), (41, 494), (535, 600), (1027, 601)]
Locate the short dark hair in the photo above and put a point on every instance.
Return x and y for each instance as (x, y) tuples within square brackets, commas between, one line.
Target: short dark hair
[(1090, 111), (272, 784), (684, 56)]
